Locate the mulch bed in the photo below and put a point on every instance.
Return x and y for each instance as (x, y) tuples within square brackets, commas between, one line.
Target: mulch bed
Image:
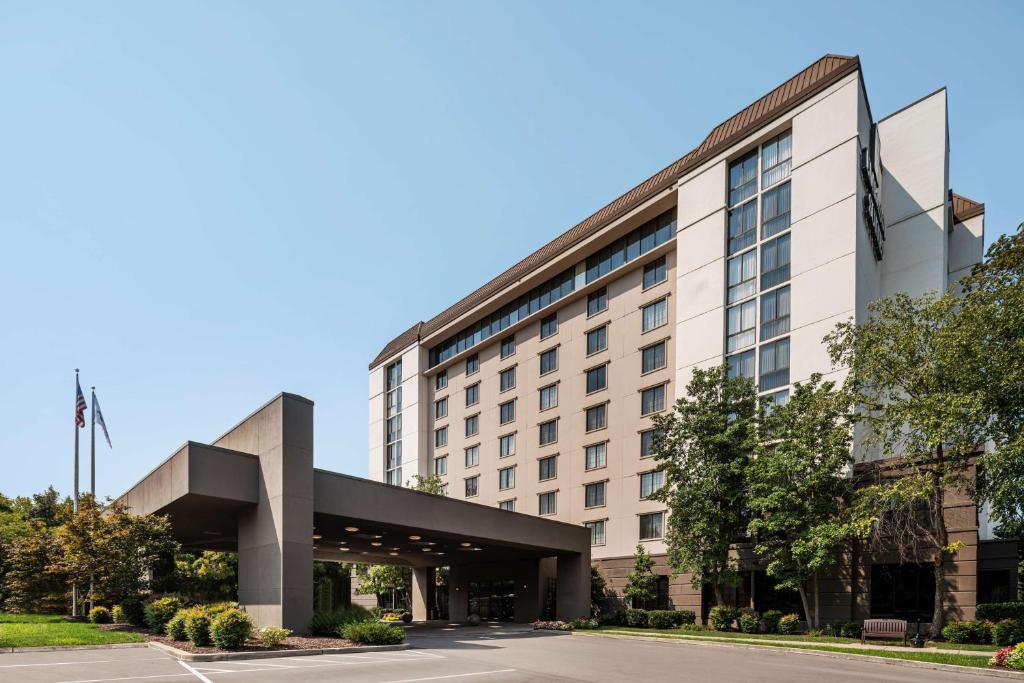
[(289, 643)]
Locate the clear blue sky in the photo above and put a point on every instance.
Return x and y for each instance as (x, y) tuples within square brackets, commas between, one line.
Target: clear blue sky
[(203, 204)]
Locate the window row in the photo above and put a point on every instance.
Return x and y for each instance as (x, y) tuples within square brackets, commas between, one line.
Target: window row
[(652, 528)]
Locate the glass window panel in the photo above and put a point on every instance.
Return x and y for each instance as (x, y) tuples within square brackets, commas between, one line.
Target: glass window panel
[(472, 456), (775, 262), (743, 178), (548, 326), (473, 394), (548, 361), (472, 486), (651, 525), (774, 365), (741, 321), (507, 505), (655, 272), (508, 346), (441, 380), (596, 532), (655, 315), (547, 503), (742, 227), (597, 340), (597, 378), (597, 301), (776, 159), (472, 425), (651, 482), (652, 400), (597, 417), (548, 432), (508, 379), (507, 412), (507, 445), (506, 478), (549, 397), (741, 364), (548, 468), (647, 440), (775, 211), (441, 437), (596, 456), (653, 358), (441, 408), (472, 364), (775, 313), (441, 466), (742, 275), (594, 494)]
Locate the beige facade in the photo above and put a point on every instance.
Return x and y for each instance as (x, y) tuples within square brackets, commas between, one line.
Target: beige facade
[(857, 207)]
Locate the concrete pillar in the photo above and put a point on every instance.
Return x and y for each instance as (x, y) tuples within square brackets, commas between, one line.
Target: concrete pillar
[(275, 537), (424, 587), (573, 598), (458, 596)]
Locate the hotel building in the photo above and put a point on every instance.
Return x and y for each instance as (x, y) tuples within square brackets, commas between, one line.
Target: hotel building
[(535, 392)]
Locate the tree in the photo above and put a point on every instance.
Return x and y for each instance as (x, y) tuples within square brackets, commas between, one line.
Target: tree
[(797, 487), (642, 583), (381, 579), (32, 582), (208, 577), (910, 366), (703, 446), (598, 590), (428, 484), (14, 525)]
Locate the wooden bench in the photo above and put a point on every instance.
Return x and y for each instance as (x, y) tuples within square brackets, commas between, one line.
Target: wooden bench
[(884, 628)]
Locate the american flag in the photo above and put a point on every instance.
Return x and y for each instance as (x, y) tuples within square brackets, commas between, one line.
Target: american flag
[(79, 406)]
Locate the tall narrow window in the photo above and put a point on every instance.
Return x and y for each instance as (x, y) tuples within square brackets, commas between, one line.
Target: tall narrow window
[(647, 440), (441, 466), (652, 400), (597, 417), (597, 340), (547, 503), (548, 432), (741, 364), (441, 408), (597, 302), (655, 272), (775, 313), (472, 425), (508, 346), (597, 378), (741, 322), (549, 361), (776, 159), (548, 326), (655, 315), (742, 226), (441, 380), (473, 486), (775, 211), (742, 275), (596, 532), (548, 468), (596, 456), (774, 364), (549, 397), (507, 379), (652, 358), (594, 495), (506, 478), (473, 364), (441, 437), (472, 456), (743, 178), (651, 482), (507, 412), (472, 394), (506, 445), (393, 430), (775, 262)]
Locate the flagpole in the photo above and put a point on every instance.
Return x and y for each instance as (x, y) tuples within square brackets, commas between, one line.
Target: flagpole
[(74, 588), (92, 440)]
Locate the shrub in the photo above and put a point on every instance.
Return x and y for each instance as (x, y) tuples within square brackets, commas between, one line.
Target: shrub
[(175, 628), (1015, 659), (850, 629), (694, 627), (373, 633), (636, 618), (583, 623), (158, 612), (616, 618), (230, 629), (999, 658), (997, 611), (117, 614), (662, 618), (976, 632), (1007, 632), (771, 620), (272, 636), (721, 617), (749, 620), (99, 615), (789, 624), (197, 625), (540, 625), (327, 624), (215, 608), (134, 612), (685, 616)]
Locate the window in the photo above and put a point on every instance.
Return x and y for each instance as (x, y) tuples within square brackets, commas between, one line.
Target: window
[(647, 440), (596, 532), (596, 456), (774, 262), (549, 397), (506, 445), (549, 361), (775, 313), (548, 468), (648, 236), (597, 340), (597, 302), (472, 425), (776, 159), (547, 503), (473, 364), (594, 494), (742, 275), (776, 400), (774, 364), (597, 417), (507, 379), (652, 358), (652, 400), (472, 456), (548, 325), (775, 211), (655, 315), (740, 326), (742, 227), (472, 486), (507, 412), (741, 364), (902, 591), (441, 408), (597, 378), (441, 466), (652, 526), (651, 482), (508, 346), (506, 478), (472, 394), (507, 505), (655, 272), (743, 178), (441, 437), (441, 380), (548, 432), (393, 429)]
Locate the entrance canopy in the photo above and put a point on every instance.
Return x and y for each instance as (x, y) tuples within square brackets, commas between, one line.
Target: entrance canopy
[(255, 491)]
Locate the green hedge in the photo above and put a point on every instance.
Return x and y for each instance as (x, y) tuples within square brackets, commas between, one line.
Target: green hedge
[(175, 628), (1008, 632), (771, 620), (197, 625), (158, 612), (230, 629), (373, 633), (997, 611), (99, 615), (789, 624), (721, 617), (973, 632), (636, 618), (328, 623)]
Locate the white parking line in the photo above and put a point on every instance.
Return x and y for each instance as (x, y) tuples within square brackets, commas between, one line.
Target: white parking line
[(198, 675), (438, 678), (87, 661)]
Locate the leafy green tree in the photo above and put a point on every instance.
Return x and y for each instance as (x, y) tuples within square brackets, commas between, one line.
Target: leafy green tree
[(382, 579), (208, 577), (642, 583), (428, 484), (598, 590), (32, 582), (703, 447), (797, 488), (14, 524), (910, 364)]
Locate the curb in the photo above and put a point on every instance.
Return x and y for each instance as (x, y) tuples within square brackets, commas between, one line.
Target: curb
[(934, 666), (59, 648), (268, 654)]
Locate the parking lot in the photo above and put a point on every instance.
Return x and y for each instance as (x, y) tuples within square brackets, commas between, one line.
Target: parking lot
[(500, 654)]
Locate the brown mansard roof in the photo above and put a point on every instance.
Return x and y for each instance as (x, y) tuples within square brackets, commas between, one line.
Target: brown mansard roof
[(964, 208), (796, 90)]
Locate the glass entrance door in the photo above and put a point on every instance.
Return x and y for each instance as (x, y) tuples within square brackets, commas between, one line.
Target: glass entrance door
[(493, 600)]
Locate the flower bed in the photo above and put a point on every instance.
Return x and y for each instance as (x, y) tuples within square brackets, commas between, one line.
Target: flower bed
[(551, 626), (251, 645)]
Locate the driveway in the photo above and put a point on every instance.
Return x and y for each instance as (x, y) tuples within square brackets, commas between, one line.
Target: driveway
[(485, 654)]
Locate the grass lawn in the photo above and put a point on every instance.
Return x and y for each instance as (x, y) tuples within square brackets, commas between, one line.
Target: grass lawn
[(753, 639), (37, 630)]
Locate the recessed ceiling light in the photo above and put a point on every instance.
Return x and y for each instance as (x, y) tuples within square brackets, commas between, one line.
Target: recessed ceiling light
[(465, 545), (414, 537), (426, 550), (344, 550), (364, 553), (439, 553), (342, 542), (392, 554), (431, 543), (378, 536), (477, 548), (396, 548), (376, 543), (352, 529), (317, 537)]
